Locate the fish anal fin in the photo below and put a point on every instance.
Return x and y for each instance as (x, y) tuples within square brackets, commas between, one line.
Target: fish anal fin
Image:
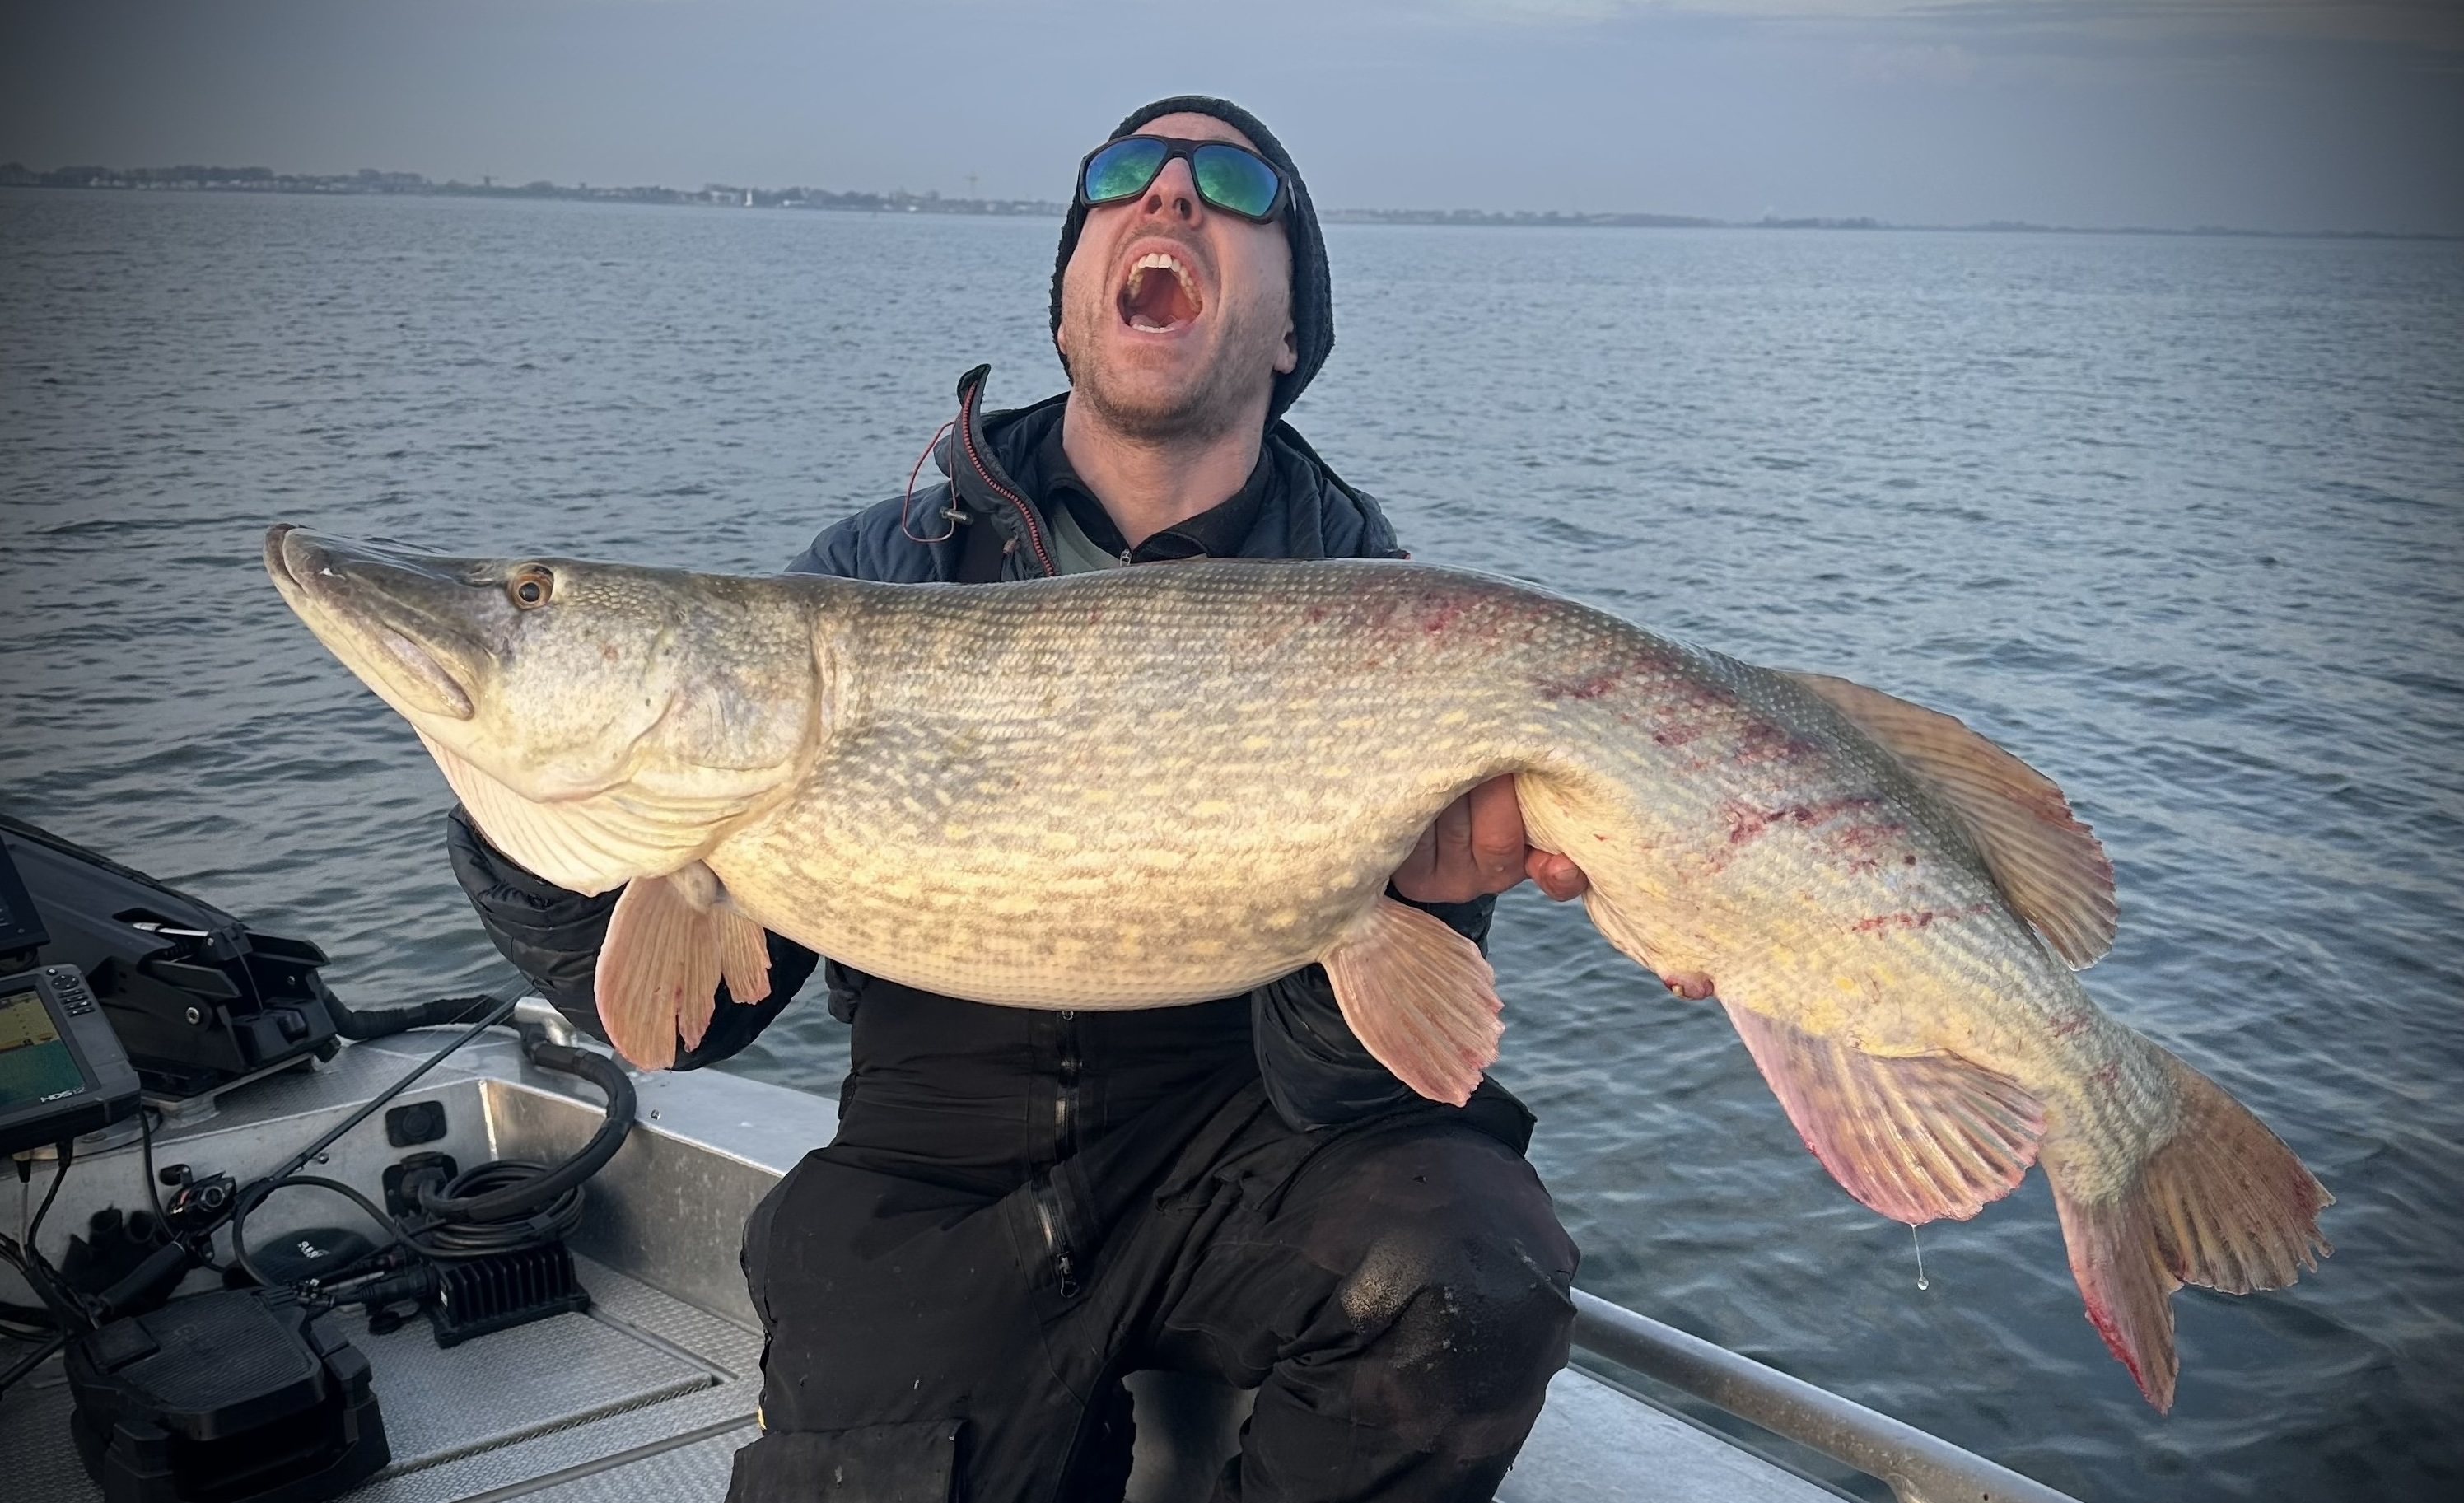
[(658, 971), (2224, 1205), (1420, 997), (2047, 863), (1916, 1137)]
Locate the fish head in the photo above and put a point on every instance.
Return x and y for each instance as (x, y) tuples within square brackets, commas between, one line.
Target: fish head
[(602, 721)]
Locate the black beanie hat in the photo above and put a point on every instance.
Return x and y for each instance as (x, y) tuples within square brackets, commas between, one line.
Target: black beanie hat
[(1313, 293)]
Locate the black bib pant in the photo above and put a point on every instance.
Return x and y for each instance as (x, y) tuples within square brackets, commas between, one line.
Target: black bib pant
[(942, 1325)]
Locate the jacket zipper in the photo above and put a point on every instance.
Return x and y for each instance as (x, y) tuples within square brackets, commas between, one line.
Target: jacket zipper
[(1048, 1214), (1065, 1094), (1064, 1142), (1025, 514)]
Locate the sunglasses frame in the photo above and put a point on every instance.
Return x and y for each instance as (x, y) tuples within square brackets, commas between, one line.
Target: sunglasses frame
[(1183, 148)]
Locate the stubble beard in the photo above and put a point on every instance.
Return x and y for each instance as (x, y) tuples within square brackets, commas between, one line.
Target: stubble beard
[(1221, 399)]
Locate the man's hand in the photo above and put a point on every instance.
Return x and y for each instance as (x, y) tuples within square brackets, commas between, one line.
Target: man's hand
[(1477, 846)]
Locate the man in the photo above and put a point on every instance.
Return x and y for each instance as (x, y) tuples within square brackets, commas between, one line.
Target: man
[(1023, 1206)]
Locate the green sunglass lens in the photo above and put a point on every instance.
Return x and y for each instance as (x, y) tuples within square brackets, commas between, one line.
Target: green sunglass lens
[(1231, 178), (1124, 168)]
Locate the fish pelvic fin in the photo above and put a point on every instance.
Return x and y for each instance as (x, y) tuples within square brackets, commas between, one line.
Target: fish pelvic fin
[(1916, 1138), (670, 942), (2224, 1205), (2047, 863), (743, 955), (1420, 997)]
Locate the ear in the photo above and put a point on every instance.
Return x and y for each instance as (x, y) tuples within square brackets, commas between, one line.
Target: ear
[(1290, 358)]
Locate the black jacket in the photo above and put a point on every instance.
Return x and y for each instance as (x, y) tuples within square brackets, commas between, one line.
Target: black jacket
[(934, 1086)]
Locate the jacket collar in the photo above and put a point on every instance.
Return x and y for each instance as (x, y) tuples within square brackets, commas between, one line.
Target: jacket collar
[(1305, 511)]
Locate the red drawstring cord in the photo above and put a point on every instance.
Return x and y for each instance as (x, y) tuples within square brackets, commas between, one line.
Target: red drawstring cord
[(908, 500)]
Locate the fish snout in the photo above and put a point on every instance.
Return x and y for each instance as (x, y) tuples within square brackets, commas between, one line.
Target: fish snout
[(403, 621)]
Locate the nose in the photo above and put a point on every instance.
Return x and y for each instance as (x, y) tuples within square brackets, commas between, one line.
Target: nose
[(1174, 194)]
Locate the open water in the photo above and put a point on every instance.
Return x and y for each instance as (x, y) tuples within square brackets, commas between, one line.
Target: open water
[(2181, 520)]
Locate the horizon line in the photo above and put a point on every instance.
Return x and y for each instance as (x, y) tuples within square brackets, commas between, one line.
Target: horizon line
[(371, 182)]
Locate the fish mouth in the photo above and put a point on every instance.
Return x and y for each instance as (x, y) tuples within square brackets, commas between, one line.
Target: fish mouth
[(395, 618), (1158, 293)]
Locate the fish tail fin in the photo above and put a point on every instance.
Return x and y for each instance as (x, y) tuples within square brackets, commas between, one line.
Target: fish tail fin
[(2224, 1205)]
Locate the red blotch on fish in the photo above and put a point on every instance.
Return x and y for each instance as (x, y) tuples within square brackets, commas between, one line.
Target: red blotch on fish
[(1746, 823), (1692, 985), (2068, 1023), (1915, 918), (1588, 687), (1762, 741)]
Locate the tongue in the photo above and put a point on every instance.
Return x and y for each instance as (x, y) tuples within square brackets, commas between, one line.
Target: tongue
[(1156, 301)]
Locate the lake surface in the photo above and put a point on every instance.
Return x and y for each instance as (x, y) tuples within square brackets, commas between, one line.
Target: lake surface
[(2180, 521)]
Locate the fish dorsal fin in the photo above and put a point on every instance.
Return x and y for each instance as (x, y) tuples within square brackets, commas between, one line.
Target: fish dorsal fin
[(1420, 997), (1916, 1138), (670, 940), (2047, 863)]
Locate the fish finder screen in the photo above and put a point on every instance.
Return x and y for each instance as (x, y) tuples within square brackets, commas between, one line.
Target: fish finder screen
[(36, 1064)]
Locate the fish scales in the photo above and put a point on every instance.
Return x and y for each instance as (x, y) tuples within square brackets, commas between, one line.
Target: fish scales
[(1159, 786)]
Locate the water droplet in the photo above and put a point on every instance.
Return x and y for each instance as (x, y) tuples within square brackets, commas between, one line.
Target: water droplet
[(1922, 1283)]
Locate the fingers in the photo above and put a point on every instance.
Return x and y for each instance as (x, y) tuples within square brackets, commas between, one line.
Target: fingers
[(1479, 844), (1453, 831), (1557, 878), (1439, 868), (1496, 846)]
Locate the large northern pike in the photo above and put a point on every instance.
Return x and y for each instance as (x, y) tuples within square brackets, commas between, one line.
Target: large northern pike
[(1158, 786)]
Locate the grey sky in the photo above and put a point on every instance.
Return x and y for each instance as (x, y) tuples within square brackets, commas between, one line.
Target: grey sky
[(2273, 114)]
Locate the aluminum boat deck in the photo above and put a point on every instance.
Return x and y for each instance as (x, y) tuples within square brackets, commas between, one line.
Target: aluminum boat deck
[(648, 1394)]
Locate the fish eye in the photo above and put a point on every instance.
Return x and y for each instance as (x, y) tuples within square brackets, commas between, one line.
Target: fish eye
[(531, 586)]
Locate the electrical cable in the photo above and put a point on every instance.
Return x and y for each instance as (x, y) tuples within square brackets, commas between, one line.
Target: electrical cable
[(456, 1238), (26, 1322), (145, 1141), (257, 1192), (503, 1010), (32, 1361), (520, 1197), (35, 1229), (498, 1206)]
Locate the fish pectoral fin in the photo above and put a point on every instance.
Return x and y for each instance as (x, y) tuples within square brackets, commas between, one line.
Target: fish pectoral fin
[(2224, 1205), (2048, 864), (658, 971), (1420, 997), (1916, 1138)]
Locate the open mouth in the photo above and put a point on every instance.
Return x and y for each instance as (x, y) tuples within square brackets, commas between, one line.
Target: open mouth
[(1159, 294)]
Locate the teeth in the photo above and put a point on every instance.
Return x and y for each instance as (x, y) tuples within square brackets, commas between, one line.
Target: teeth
[(1159, 260)]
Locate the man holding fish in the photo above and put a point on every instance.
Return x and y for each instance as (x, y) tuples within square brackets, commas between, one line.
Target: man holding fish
[(1024, 1205), (1154, 895)]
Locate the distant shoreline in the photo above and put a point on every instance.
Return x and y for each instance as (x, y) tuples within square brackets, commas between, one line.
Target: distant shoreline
[(369, 182)]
